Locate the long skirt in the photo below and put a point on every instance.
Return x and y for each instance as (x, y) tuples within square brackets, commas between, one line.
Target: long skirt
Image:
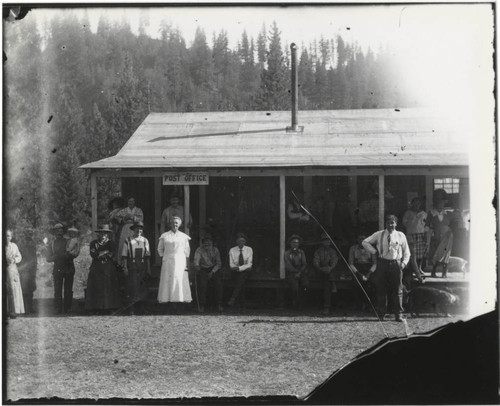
[(174, 280), (102, 287), (125, 232), (14, 291), (137, 288), (442, 248)]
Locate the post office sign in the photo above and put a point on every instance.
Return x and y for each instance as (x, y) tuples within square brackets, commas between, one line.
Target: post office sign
[(185, 178)]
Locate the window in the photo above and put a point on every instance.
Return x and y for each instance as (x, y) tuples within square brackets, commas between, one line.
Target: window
[(450, 185)]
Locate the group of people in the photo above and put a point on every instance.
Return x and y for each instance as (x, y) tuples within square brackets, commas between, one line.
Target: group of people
[(382, 264)]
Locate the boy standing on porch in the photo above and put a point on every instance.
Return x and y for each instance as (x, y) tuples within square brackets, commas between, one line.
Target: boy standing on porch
[(325, 259)]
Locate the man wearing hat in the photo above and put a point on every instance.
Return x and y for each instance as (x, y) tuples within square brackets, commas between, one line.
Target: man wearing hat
[(296, 269), (207, 264), (136, 266), (392, 255), (324, 260), (240, 263), (63, 271)]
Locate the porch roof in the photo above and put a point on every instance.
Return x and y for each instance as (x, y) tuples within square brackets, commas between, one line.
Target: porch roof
[(382, 137)]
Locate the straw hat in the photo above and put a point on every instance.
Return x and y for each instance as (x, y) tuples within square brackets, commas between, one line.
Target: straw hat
[(73, 230)]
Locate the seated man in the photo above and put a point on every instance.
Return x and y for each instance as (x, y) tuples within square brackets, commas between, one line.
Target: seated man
[(240, 263), (207, 264), (325, 259), (361, 263), (296, 269)]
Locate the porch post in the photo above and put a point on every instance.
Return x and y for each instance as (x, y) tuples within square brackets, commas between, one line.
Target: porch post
[(381, 201), (353, 194), (429, 191), (186, 209), (203, 206), (93, 199), (282, 226), (157, 231)]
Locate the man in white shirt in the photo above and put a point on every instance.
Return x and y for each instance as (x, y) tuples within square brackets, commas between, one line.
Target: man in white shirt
[(174, 210), (240, 263), (392, 255)]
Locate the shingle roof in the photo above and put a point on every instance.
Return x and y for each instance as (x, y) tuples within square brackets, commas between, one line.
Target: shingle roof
[(409, 137)]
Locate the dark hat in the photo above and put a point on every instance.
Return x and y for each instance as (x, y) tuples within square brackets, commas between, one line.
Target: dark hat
[(57, 226), (324, 236), (207, 237), (104, 229), (241, 235), (294, 237), (137, 224), (120, 201)]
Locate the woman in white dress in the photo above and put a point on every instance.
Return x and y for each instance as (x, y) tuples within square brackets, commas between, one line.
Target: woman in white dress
[(174, 249), (14, 291)]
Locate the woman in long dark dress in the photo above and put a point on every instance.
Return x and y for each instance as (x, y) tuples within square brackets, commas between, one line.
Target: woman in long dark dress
[(102, 283)]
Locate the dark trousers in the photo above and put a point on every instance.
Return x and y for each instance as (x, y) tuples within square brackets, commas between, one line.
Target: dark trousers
[(202, 283), (63, 280), (329, 287), (239, 287), (297, 286), (389, 282)]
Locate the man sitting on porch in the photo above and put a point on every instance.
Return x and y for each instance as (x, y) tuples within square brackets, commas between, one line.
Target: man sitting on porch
[(240, 263)]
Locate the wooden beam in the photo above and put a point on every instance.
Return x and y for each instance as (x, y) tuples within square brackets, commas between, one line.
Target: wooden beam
[(282, 226), (455, 171), (93, 199), (158, 211), (381, 201), (186, 209)]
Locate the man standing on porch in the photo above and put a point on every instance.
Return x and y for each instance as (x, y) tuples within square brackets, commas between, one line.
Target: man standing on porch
[(393, 256), (175, 209), (240, 262)]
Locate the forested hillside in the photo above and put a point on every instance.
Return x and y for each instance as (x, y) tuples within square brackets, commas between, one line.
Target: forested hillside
[(72, 96)]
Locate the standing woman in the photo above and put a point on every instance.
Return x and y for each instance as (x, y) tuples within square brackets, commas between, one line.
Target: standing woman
[(102, 283), (174, 249), (14, 291), (126, 218), (136, 265), (439, 237)]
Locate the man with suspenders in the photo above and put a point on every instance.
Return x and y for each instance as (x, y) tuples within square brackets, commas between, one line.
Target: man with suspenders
[(392, 255)]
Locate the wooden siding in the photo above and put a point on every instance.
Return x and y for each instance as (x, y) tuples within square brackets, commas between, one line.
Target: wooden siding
[(411, 137)]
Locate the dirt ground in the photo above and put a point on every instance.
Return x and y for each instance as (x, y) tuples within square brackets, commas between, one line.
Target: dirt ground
[(186, 355)]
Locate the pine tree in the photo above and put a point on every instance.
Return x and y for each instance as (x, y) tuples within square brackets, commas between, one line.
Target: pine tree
[(275, 81), (262, 46)]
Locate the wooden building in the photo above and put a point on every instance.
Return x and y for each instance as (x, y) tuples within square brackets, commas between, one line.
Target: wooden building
[(235, 172)]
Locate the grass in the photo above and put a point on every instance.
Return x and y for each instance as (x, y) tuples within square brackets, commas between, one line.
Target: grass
[(171, 356)]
